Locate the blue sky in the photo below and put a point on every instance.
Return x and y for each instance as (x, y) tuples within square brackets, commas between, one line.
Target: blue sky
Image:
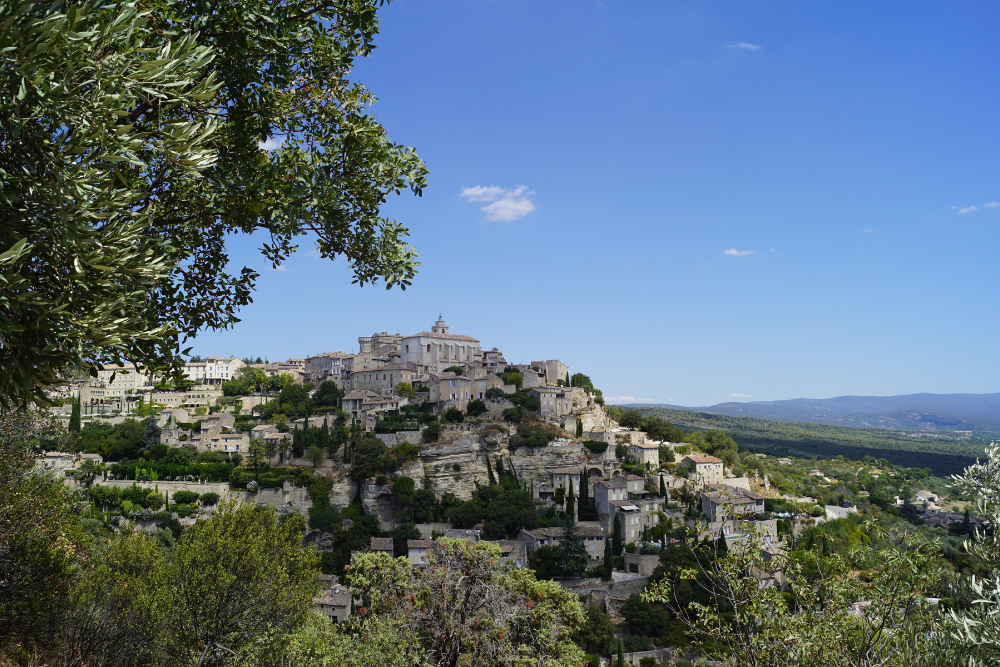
[(611, 153)]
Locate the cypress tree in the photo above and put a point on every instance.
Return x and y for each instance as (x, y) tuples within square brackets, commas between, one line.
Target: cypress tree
[(571, 503), (579, 428), (616, 540), (584, 511), (621, 655), (663, 488), (74, 417), (489, 471), (609, 559)]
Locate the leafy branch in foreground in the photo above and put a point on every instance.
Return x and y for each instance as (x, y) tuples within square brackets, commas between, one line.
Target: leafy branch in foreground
[(130, 148), (854, 610)]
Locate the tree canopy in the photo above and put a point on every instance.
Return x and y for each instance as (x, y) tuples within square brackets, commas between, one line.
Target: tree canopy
[(123, 174)]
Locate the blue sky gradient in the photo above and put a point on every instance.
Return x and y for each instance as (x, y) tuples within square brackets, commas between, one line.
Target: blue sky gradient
[(836, 149)]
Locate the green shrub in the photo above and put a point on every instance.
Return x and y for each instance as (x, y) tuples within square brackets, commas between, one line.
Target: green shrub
[(381, 480), (184, 497), (595, 446), (475, 407), (154, 501), (454, 415), (432, 432), (513, 415), (406, 451), (209, 498), (184, 510)]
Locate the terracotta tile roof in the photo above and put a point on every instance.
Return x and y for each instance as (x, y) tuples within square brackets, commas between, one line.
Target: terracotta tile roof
[(431, 334), (419, 544), (569, 471), (359, 393), (635, 478), (615, 483), (695, 458), (381, 544)]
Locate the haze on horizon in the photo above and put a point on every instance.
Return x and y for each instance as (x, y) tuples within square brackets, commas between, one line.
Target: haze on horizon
[(690, 203)]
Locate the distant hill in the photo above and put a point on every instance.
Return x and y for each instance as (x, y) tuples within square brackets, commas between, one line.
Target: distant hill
[(946, 415), (944, 453)]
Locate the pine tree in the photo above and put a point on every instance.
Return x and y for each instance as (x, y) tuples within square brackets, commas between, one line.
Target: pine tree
[(489, 471), (616, 539), (152, 435), (74, 417), (663, 488), (571, 503)]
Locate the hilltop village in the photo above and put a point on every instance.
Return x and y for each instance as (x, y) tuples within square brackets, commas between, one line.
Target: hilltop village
[(422, 437)]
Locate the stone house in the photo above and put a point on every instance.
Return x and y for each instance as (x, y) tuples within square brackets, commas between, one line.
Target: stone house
[(704, 469), (561, 478), (630, 515), (532, 377), (366, 406), (645, 453), (723, 502), (383, 379), (326, 366), (559, 404), (482, 381), (334, 602), (453, 389), (261, 430), (513, 552), (784, 461), (617, 436), (493, 361), (643, 564), (592, 535), (419, 551), (439, 349), (383, 344), (227, 443), (213, 371)]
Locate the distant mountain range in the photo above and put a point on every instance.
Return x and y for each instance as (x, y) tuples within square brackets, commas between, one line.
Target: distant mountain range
[(941, 415)]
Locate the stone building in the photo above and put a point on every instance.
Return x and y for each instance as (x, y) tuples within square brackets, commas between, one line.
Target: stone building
[(383, 379), (644, 453), (452, 389), (559, 404), (704, 469), (439, 349), (326, 366)]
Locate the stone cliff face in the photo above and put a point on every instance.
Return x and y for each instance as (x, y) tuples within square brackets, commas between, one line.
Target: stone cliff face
[(457, 463)]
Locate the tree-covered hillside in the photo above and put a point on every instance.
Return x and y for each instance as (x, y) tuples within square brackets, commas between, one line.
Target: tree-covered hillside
[(943, 456)]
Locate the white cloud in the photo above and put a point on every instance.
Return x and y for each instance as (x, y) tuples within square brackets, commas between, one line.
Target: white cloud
[(744, 45), (736, 397), (482, 193), (867, 231), (505, 205), (739, 253), (270, 144), (280, 267), (773, 250), (992, 204), (967, 209)]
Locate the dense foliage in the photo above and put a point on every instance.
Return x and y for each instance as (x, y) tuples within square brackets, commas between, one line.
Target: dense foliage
[(131, 169)]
